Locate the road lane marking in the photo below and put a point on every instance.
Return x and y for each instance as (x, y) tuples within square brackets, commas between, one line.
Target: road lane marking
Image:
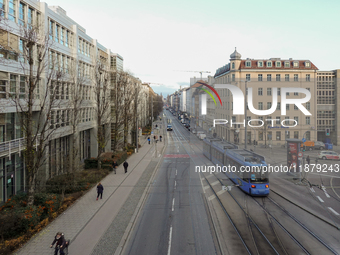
[(170, 236), (211, 175), (214, 183), (312, 189), (173, 204), (333, 211), (328, 196), (175, 184), (176, 171), (220, 192), (211, 197), (206, 187), (320, 199)]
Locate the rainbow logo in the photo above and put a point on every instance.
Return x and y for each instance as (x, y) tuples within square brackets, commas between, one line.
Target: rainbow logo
[(208, 92)]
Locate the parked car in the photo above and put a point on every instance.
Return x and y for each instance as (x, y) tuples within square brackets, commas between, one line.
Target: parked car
[(329, 155), (169, 128), (319, 145)]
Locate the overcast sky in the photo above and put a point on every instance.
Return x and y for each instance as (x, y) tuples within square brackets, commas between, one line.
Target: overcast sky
[(159, 39)]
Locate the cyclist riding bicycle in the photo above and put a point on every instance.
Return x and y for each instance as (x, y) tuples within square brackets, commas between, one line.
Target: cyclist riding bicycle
[(60, 242)]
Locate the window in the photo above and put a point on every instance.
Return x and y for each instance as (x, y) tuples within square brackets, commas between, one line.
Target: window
[(248, 64), (30, 17), (287, 120), (307, 120), (247, 77), (287, 107), (296, 134), (21, 14), (66, 64), (287, 133), (260, 64), (51, 29), (66, 38), (22, 88), (259, 77), (296, 93), (2, 8), (278, 120), (307, 77), (260, 135), (269, 105), (259, 91), (233, 77), (260, 106), (307, 64), (13, 84), (269, 64), (269, 91), (269, 135), (3, 85), (296, 77), (278, 63), (269, 77), (11, 10), (295, 107), (308, 105), (278, 106), (62, 31), (287, 93), (57, 33), (278, 77), (232, 64), (296, 118), (287, 64), (278, 135), (278, 91), (286, 77), (296, 64)]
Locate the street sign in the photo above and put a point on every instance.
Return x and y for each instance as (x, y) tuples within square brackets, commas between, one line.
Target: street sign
[(300, 154), (304, 139)]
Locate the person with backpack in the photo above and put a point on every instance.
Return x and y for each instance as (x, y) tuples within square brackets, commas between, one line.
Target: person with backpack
[(60, 242), (114, 166), (100, 189), (125, 165)]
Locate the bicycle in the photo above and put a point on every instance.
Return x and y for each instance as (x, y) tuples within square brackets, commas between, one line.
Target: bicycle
[(65, 250)]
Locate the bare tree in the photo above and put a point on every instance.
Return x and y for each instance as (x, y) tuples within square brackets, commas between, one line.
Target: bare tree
[(119, 82), (35, 97), (102, 90)]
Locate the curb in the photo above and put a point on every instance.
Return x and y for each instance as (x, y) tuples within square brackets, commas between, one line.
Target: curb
[(140, 204)]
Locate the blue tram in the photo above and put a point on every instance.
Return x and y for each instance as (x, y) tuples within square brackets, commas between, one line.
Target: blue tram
[(245, 168)]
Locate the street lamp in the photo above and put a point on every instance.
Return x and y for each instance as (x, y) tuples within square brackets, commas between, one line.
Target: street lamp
[(245, 114)]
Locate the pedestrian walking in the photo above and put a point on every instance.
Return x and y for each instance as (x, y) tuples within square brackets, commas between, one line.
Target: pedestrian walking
[(149, 140), (308, 160), (100, 189), (125, 165), (114, 166), (160, 138)]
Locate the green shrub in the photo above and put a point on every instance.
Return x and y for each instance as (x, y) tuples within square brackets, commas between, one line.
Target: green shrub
[(91, 163), (120, 157)]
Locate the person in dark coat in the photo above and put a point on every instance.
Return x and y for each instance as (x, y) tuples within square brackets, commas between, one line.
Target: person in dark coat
[(114, 166), (100, 189), (308, 159), (160, 138), (60, 242), (125, 165), (149, 140)]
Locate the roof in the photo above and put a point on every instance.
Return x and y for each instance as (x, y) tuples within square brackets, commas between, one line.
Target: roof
[(254, 64)]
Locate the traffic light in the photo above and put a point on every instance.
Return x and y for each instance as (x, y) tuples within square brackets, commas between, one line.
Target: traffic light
[(328, 131)]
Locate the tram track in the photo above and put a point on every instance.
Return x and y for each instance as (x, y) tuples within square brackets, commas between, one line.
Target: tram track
[(271, 220)]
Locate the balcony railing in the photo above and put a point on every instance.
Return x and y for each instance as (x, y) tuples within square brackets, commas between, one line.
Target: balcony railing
[(13, 146)]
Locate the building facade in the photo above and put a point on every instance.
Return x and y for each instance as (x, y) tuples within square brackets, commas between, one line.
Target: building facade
[(73, 55)]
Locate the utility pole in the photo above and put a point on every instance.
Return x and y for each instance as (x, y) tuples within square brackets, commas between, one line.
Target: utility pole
[(245, 115)]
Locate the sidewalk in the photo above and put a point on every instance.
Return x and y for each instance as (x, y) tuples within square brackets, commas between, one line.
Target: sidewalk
[(87, 220)]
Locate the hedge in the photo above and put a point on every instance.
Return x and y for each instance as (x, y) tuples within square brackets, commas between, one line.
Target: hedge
[(91, 163)]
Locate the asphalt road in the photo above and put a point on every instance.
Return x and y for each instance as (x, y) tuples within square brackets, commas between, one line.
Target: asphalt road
[(174, 219)]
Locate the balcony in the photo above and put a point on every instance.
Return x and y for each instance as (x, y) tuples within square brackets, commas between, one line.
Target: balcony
[(13, 146)]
